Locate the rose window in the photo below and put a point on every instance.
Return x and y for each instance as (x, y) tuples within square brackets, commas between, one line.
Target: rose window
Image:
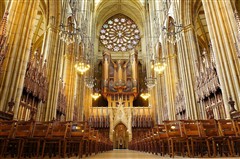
[(119, 33)]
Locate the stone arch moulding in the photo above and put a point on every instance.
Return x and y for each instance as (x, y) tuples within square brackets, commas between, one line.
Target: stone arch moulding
[(116, 123)]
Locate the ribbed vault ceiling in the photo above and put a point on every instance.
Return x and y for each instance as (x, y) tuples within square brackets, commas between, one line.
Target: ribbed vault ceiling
[(131, 8)]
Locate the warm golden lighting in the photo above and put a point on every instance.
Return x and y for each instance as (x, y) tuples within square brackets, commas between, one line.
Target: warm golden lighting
[(82, 67), (160, 67), (95, 95), (145, 96)]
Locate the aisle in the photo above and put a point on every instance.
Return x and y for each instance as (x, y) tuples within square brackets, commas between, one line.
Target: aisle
[(128, 154), (124, 154)]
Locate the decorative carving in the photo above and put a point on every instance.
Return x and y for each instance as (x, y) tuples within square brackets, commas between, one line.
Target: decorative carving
[(99, 121), (208, 91), (62, 101), (3, 40), (36, 77), (35, 86), (238, 35), (180, 102)]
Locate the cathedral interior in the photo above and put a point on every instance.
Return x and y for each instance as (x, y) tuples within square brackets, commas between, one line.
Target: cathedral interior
[(83, 78)]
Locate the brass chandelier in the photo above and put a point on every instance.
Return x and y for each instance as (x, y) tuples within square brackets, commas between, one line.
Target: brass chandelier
[(71, 30), (82, 66), (95, 94), (160, 66)]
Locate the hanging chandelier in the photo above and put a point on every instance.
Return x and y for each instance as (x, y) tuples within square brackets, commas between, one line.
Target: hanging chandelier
[(145, 95), (160, 66), (172, 32), (82, 66), (69, 33), (70, 29), (95, 95), (150, 82), (90, 82)]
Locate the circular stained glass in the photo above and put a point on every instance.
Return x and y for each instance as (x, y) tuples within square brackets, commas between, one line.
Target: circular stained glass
[(119, 33)]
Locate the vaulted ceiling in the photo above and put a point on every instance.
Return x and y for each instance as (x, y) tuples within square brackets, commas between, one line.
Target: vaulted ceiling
[(132, 8)]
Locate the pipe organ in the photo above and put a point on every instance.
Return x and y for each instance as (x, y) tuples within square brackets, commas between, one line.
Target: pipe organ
[(120, 79)]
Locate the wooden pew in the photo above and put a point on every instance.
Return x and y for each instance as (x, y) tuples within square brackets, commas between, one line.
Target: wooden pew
[(177, 141), (215, 141), (14, 144), (31, 146), (55, 139), (6, 132)]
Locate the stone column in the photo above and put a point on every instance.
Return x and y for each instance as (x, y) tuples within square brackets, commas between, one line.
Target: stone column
[(78, 98), (69, 79), (171, 77), (81, 98), (219, 22), (186, 50), (87, 100), (54, 47)]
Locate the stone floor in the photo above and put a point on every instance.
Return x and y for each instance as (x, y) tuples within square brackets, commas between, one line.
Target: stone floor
[(128, 154)]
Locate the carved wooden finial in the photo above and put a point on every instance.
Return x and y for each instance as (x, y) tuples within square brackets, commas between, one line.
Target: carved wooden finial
[(231, 103), (10, 105)]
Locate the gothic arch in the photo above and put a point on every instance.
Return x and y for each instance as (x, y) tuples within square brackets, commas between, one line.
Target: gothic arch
[(123, 121), (130, 8)]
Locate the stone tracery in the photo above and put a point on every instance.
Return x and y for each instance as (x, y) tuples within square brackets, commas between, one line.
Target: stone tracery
[(119, 33)]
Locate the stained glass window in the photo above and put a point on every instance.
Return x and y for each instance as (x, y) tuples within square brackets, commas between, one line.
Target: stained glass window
[(119, 33)]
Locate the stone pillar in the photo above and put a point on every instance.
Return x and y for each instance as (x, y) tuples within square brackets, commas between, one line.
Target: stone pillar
[(78, 98), (81, 97), (21, 20), (69, 79), (54, 47), (223, 42), (186, 50), (171, 77)]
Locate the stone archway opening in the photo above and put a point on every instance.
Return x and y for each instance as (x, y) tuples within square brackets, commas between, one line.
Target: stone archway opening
[(120, 137)]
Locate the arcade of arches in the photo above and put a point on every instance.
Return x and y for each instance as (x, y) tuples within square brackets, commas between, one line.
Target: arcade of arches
[(95, 60)]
